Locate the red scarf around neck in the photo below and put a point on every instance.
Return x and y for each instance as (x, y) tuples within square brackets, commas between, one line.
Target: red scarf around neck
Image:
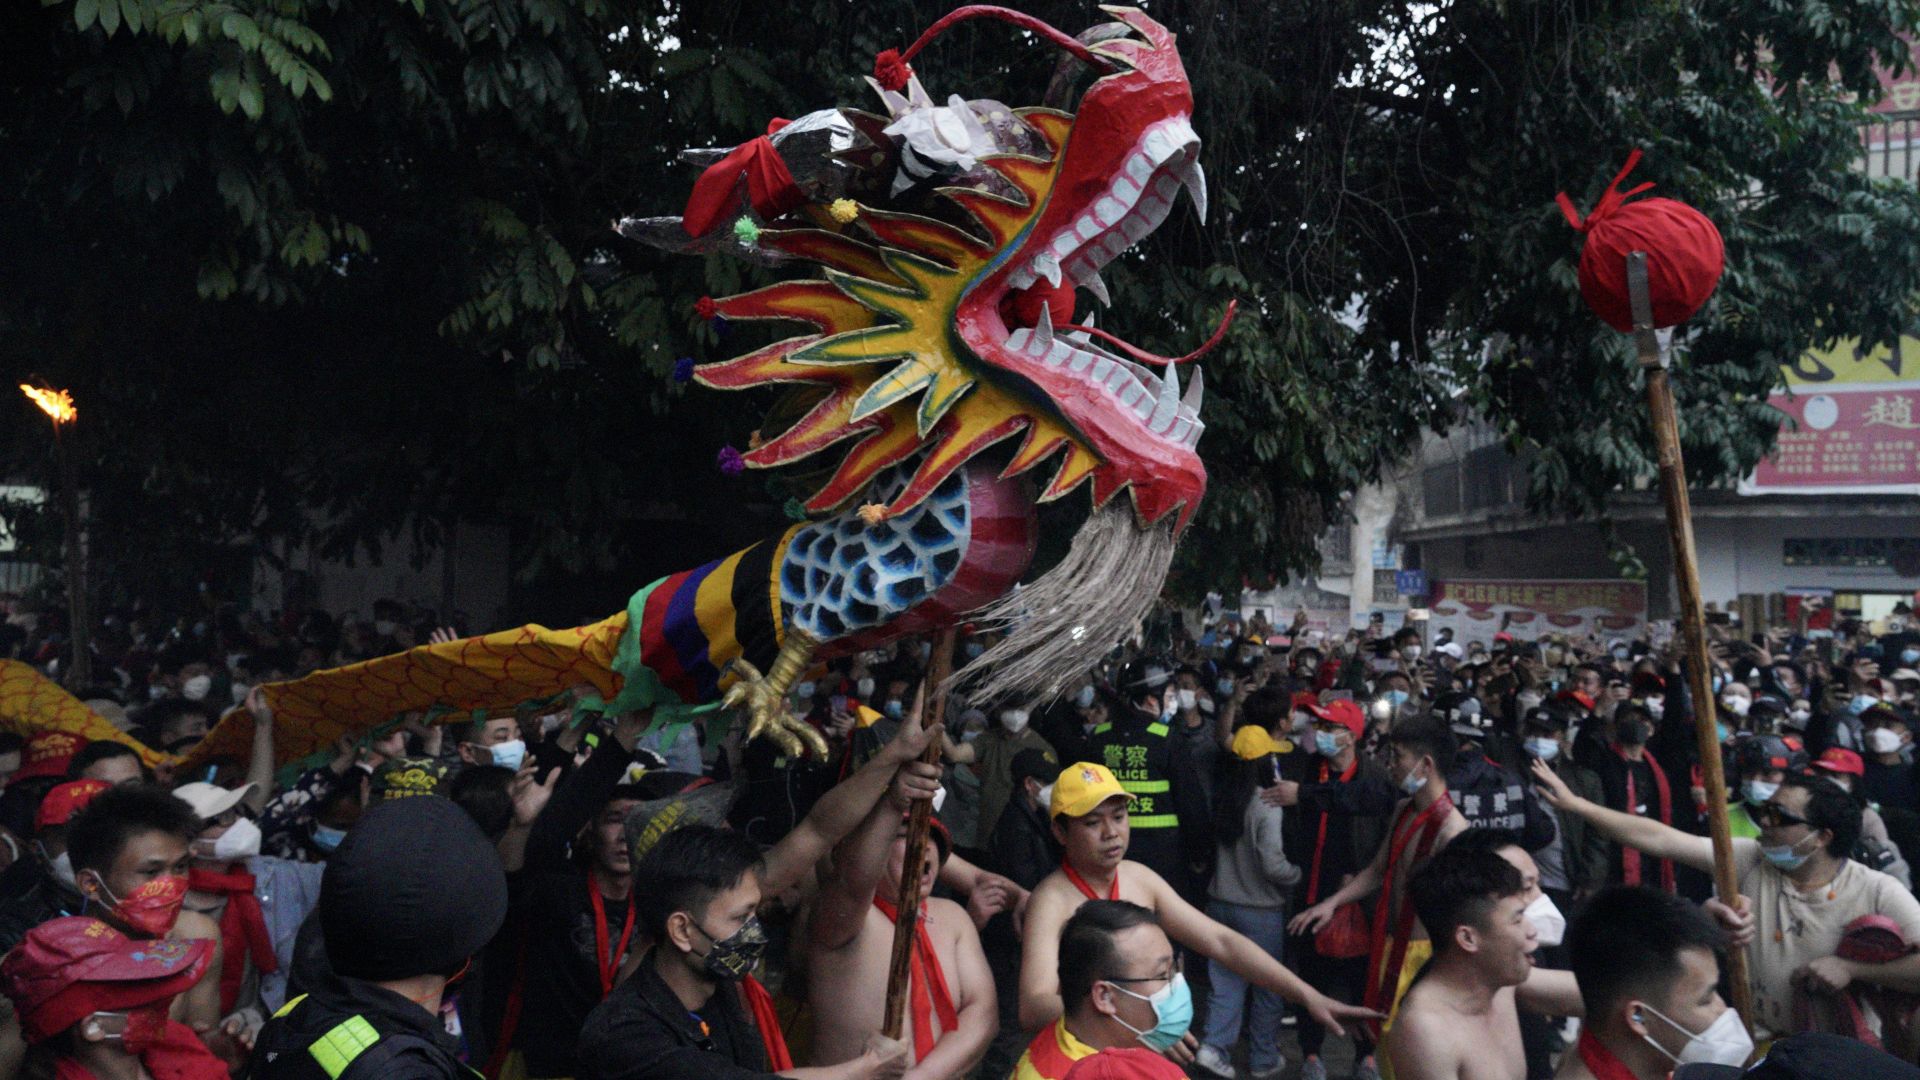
[(1389, 951), (1630, 871), (767, 1019), (927, 993), (1086, 890), (179, 1055), (243, 930), (1320, 839), (1600, 1061)]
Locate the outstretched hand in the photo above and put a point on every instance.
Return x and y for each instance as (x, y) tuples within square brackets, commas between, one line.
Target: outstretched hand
[(912, 739), (529, 794), (1328, 1013), (1312, 920), (1552, 790)]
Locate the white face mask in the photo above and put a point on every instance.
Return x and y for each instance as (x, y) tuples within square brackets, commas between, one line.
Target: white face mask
[(1548, 923), (240, 841), (1800, 716), (240, 692), (1412, 653), (1883, 740), (1014, 720), (1725, 1042), (863, 688), (197, 688), (1046, 797), (1736, 705), (1188, 698), (1657, 707)]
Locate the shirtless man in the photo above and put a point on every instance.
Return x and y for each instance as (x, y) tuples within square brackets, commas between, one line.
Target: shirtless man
[(1460, 1019), (952, 1014), (1089, 811), (1421, 827), (1649, 974)]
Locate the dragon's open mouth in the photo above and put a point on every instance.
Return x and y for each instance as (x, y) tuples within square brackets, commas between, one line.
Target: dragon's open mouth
[(1153, 397), (1133, 206)]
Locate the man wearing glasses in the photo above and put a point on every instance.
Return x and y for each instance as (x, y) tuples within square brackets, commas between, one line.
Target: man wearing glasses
[(1122, 982), (1797, 881)]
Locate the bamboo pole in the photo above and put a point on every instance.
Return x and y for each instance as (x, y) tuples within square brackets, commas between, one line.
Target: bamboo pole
[(907, 905), (1693, 624)]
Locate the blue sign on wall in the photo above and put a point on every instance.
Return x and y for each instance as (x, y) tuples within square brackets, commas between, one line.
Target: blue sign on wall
[(1410, 582)]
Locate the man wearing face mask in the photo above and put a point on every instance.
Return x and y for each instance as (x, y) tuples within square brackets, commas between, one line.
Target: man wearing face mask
[(53, 892), (1635, 782), (493, 741), (692, 1009), (1342, 806), (1136, 746), (1461, 1016), (1121, 982), (1803, 890), (1422, 826), (1648, 968), (92, 1003), (1759, 765), (1579, 858), (1537, 1036), (1891, 778), (258, 900), (402, 920), (991, 758)]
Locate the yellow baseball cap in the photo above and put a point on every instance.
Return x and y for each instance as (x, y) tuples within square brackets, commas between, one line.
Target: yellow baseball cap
[(1254, 742), (1083, 786)]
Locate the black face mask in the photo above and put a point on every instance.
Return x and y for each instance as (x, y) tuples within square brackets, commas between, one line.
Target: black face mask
[(1632, 733), (733, 957)]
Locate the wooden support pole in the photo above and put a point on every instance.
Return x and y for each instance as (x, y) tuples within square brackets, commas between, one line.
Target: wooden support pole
[(1693, 623), (933, 696)]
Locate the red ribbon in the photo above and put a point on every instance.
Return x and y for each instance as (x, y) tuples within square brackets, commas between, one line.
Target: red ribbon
[(1610, 199), (1600, 1061), (177, 1055), (609, 962), (770, 187), (1086, 890), (1381, 984), (243, 931), (1629, 857), (767, 1019), (927, 985)]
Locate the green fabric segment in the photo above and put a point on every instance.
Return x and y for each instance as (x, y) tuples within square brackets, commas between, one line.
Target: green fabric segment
[(641, 689)]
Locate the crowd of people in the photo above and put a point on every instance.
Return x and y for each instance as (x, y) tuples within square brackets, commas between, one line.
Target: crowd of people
[(1229, 850)]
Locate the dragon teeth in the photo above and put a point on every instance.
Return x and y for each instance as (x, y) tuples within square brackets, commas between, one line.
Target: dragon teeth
[(1195, 181)]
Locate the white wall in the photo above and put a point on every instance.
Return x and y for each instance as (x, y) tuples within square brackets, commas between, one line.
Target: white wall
[(1744, 555)]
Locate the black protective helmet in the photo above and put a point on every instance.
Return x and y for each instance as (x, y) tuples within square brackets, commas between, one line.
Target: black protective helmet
[(1463, 713), (1144, 675), (1764, 753)]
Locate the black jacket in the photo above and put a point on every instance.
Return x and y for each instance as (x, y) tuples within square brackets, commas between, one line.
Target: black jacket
[(1022, 846), (642, 1031), (283, 1050), (1491, 796)]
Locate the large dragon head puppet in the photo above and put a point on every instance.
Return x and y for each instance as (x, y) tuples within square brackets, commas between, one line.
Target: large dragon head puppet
[(940, 324)]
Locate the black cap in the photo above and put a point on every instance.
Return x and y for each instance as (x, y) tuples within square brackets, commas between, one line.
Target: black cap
[(414, 889), (1037, 763), (1542, 717)]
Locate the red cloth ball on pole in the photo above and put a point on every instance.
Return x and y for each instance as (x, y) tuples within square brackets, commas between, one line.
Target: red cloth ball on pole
[(1685, 254)]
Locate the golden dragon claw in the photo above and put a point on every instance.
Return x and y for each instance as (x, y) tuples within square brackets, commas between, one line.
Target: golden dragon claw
[(764, 697)]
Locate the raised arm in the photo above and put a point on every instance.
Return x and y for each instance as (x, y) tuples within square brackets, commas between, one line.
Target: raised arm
[(1550, 993), (260, 764), (860, 862), (1642, 834), (841, 809)]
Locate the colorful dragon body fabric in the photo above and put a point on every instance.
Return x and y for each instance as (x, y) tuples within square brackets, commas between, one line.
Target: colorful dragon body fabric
[(932, 361)]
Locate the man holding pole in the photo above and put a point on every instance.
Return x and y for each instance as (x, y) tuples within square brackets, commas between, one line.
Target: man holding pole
[(952, 1014), (1800, 884)]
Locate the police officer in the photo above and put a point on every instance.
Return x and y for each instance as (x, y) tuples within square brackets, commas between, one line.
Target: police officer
[(412, 893), (1488, 794), (1133, 743)]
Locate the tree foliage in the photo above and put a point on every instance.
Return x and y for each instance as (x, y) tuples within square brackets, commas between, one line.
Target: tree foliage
[(324, 271)]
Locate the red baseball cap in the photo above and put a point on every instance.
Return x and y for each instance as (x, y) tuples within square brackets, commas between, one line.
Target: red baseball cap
[(1839, 760), (47, 753), (68, 968), (65, 801), (1342, 711), (1130, 1063)]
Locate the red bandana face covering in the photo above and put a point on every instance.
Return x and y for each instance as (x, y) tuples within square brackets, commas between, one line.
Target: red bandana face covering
[(152, 908)]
